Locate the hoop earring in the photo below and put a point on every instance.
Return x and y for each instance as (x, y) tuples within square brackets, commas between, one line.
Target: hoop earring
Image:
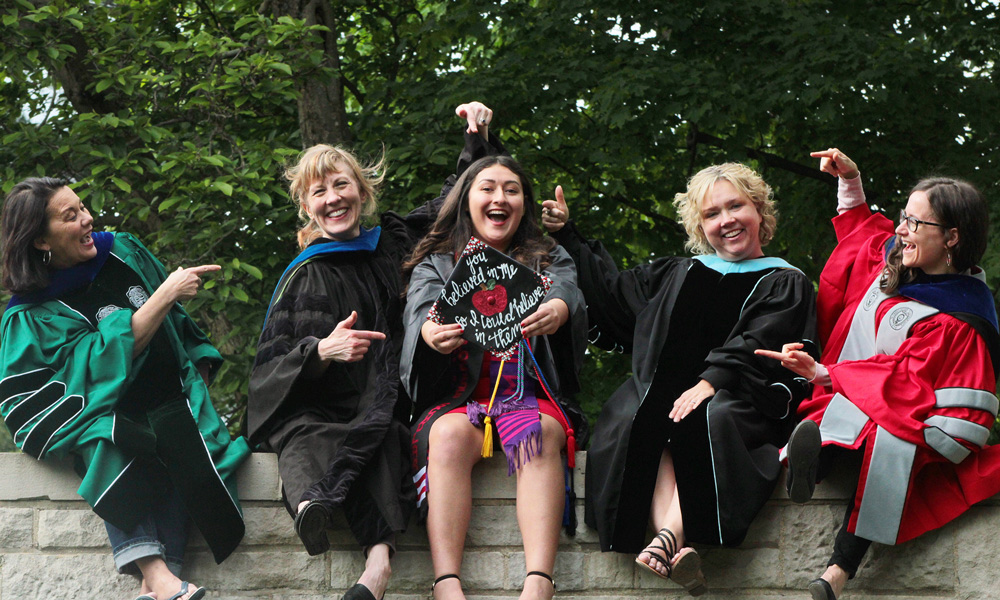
[(47, 257)]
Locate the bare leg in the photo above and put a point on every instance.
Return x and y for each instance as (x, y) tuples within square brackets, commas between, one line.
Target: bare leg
[(665, 510), (377, 570), (540, 503), (157, 579), (454, 447)]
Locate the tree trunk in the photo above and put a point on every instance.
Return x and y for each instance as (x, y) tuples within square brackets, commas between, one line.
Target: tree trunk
[(322, 116)]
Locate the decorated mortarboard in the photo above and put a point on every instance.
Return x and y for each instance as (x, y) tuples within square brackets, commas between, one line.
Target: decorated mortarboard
[(489, 294)]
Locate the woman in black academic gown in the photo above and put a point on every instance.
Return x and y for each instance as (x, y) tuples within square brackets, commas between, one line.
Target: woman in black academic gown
[(689, 444), (324, 393)]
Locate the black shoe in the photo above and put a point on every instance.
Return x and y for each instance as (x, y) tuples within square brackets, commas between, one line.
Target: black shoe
[(821, 590), (358, 591), (311, 524), (803, 459)]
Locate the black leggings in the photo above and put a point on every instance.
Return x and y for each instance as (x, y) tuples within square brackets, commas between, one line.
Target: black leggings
[(848, 549)]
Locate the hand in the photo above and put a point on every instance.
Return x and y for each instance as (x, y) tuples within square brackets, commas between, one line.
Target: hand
[(478, 115), (443, 338), (836, 163), (183, 283), (549, 317), (345, 344), (691, 399), (793, 359), (555, 213)]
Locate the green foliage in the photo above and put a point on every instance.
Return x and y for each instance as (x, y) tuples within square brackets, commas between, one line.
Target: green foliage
[(175, 119)]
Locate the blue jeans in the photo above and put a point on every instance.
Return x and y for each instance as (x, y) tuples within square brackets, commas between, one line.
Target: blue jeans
[(161, 533)]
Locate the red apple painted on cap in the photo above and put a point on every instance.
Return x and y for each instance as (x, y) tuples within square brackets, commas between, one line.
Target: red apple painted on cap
[(491, 299)]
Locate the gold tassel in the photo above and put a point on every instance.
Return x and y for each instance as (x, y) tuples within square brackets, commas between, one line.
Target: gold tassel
[(488, 422)]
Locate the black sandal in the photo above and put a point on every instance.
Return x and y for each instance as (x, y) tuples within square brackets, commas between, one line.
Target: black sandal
[(443, 577), (311, 524), (667, 546), (544, 575)]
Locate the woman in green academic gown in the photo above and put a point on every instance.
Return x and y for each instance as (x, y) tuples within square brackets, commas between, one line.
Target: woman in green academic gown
[(100, 363)]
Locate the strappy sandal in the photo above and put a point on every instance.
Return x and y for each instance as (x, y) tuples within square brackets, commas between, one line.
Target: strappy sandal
[(443, 577), (684, 571), (667, 546), (544, 575)]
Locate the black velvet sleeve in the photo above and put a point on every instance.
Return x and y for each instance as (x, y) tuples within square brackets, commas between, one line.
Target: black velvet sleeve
[(781, 310)]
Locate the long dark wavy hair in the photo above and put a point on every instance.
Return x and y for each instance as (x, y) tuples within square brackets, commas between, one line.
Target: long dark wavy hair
[(453, 227), (956, 203), (25, 218)]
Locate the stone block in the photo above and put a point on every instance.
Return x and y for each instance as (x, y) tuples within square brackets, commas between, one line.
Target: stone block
[(493, 525), (584, 534), (609, 571), (257, 478), (63, 576), (765, 529), (925, 564), (26, 478), (71, 529), (807, 534), (16, 526), (250, 571), (976, 554), (345, 568), (412, 571), (740, 568), (483, 570), (268, 525)]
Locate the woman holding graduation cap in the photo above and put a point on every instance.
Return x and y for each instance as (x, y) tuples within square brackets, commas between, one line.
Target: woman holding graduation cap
[(452, 382), (689, 444)]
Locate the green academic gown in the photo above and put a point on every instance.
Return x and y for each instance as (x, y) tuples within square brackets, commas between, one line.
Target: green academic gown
[(61, 379)]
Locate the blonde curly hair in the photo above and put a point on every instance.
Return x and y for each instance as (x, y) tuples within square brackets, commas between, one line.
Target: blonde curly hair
[(746, 181), (318, 162)]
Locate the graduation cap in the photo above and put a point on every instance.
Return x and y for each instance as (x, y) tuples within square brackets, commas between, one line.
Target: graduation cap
[(489, 294)]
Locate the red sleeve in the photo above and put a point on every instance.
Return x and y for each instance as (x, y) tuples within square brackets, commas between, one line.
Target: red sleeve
[(850, 270), (943, 358)]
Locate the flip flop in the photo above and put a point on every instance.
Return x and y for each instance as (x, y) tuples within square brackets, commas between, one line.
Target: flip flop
[(311, 524), (145, 597), (197, 595)]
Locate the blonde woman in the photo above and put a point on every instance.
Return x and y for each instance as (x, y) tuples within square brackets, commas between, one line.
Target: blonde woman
[(689, 444)]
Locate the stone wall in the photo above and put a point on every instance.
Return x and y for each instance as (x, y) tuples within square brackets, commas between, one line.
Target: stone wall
[(52, 546)]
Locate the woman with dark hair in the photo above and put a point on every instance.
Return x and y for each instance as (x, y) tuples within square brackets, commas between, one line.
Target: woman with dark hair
[(324, 392), (99, 362), (689, 444), (908, 372), (451, 382)]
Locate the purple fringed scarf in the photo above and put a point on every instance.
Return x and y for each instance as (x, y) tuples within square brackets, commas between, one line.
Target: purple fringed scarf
[(515, 412)]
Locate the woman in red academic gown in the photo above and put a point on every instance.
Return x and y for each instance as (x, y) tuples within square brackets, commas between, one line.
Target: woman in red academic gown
[(908, 371)]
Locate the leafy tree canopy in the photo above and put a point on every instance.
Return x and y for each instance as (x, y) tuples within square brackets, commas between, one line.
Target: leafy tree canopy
[(175, 119)]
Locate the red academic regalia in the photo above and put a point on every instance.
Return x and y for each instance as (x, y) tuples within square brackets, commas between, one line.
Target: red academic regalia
[(913, 385)]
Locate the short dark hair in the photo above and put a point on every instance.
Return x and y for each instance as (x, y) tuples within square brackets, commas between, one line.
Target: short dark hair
[(25, 219)]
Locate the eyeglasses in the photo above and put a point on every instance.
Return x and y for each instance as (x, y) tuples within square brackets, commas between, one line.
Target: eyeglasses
[(913, 223)]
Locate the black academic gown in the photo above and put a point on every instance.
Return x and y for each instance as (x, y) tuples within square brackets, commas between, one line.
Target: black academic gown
[(682, 321), (340, 432)]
